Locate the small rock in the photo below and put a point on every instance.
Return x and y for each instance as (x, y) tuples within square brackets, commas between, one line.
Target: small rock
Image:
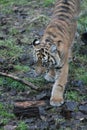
[(83, 108), (28, 121), (42, 111), (7, 88), (44, 95), (79, 116), (68, 108), (71, 105), (13, 92), (9, 127), (2, 60), (82, 127), (43, 125), (78, 83), (41, 96)]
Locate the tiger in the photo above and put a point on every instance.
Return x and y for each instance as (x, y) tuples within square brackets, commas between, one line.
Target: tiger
[(52, 53)]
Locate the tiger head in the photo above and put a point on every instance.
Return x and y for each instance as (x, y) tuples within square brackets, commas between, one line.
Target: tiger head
[(47, 54)]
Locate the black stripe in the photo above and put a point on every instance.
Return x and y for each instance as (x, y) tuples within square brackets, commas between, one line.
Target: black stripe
[(63, 19), (61, 10), (65, 1), (52, 34), (65, 8), (48, 40), (72, 1), (57, 26), (64, 11), (63, 16), (70, 5)]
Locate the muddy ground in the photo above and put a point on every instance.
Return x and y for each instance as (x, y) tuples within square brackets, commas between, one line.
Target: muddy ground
[(20, 24)]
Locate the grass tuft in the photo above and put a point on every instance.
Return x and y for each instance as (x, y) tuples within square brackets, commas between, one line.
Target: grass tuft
[(22, 126), (48, 2)]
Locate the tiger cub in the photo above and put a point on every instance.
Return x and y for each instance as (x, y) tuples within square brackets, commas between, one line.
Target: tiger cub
[(53, 51)]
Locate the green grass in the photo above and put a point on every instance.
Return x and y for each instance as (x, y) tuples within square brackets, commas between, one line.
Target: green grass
[(82, 22), (13, 31), (5, 116), (72, 95), (48, 2), (78, 73), (22, 126), (22, 68), (12, 50), (19, 86), (84, 4), (38, 81), (4, 82), (81, 74), (75, 96), (10, 2), (7, 5)]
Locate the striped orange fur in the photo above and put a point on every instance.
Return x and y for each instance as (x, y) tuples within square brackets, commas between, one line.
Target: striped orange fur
[(52, 53)]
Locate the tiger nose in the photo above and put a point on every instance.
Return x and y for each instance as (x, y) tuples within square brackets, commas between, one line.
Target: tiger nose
[(44, 60)]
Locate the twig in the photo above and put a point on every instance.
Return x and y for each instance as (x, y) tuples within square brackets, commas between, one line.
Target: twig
[(32, 86)]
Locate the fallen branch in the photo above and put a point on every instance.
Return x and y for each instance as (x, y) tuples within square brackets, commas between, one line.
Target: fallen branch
[(26, 103), (32, 86), (28, 108)]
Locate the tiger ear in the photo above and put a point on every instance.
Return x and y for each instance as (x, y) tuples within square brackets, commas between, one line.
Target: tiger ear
[(35, 42), (53, 48)]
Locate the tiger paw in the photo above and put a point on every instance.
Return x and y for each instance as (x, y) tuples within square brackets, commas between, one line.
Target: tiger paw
[(49, 78), (56, 101)]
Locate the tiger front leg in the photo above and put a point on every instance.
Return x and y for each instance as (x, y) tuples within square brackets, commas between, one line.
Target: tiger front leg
[(50, 76), (59, 87)]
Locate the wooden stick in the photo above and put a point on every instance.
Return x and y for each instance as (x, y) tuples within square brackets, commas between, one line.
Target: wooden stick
[(32, 86)]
